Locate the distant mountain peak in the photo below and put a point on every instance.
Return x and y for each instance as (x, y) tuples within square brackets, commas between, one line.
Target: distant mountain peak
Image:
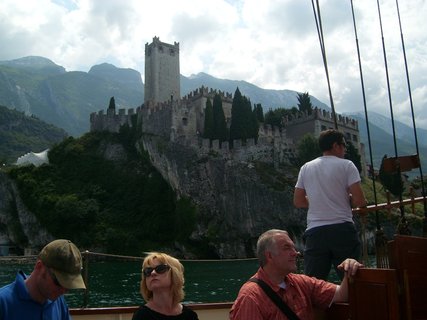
[(31, 61), (103, 66)]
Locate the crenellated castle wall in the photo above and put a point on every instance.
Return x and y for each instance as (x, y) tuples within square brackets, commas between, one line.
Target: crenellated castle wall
[(182, 121), (319, 120), (110, 121)]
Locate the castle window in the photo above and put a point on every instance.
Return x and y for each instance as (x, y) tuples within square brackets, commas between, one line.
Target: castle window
[(323, 128), (184, 121), (354, 138)]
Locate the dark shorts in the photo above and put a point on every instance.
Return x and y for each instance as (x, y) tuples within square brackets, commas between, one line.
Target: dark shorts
[(330, 245)]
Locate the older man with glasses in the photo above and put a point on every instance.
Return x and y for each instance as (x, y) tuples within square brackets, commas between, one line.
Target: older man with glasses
[(329, 186), (40, 295)]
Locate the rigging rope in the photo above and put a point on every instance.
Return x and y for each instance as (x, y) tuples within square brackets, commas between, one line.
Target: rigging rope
[(380, 238), (318, 20), (403, 227), (413, 117)]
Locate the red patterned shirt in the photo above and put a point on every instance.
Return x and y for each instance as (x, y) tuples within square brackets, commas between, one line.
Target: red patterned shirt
[(302, 295)]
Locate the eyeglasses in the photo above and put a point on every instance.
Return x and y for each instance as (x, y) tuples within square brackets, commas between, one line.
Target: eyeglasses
[(54, 278), (160, 269)]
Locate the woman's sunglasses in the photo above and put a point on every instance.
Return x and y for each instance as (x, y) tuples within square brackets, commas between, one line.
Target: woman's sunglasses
[(161, 268)]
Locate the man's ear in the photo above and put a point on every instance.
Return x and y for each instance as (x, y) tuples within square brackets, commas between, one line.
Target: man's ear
[(268, 255), (39, 265)]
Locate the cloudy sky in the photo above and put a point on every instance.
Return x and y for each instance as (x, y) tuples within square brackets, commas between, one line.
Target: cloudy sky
[(270, 43)]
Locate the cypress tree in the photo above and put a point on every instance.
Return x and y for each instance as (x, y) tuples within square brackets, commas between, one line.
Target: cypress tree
[(219, 124), (255, 123), (208, 132), (112, 104), (237, 111), (259, 113)]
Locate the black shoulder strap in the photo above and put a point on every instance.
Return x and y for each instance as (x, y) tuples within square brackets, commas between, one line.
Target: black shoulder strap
[(276, 299)]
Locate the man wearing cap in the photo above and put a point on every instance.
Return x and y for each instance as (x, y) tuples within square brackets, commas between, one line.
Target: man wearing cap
[(40, 295)]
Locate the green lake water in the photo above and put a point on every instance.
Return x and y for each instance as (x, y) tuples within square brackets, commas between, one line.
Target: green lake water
[(116, 283)]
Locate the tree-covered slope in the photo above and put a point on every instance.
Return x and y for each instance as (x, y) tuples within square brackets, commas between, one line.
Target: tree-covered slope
[(98, 192), (20, 134)]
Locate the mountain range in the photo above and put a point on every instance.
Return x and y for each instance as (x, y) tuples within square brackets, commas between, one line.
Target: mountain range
[(37, 86)]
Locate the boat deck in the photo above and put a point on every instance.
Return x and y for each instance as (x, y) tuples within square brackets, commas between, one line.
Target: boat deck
[(205, 311)]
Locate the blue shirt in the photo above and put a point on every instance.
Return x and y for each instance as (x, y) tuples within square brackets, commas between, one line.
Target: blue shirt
[(16, 304)]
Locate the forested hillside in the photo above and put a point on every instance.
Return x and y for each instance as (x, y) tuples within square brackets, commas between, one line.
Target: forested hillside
[(20, 134), (99, 193)]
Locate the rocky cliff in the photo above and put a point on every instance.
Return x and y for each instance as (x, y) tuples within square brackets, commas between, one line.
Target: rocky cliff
[(17, 224), (237, 199)]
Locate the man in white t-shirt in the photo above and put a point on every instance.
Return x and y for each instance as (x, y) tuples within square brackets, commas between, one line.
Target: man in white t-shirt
[(329, 186)]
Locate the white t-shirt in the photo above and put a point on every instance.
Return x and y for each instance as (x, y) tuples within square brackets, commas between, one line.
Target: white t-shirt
[(326, 181)]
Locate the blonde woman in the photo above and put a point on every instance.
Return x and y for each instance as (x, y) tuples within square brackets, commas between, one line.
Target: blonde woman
[(162, 287)]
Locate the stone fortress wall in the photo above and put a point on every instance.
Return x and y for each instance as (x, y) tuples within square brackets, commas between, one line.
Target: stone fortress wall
[(181, 120)]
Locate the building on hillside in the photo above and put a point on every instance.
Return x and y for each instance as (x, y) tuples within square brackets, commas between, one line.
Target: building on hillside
[(319, 120), (32, 158), (162, 75)]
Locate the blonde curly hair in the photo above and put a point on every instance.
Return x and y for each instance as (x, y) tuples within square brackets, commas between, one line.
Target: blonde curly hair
[(177, 276)]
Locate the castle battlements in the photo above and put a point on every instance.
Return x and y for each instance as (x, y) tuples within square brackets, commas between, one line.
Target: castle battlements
[(110, 121), (322, 115), (208, 92)]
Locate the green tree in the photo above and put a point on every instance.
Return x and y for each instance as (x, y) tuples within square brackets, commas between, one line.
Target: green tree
[(112, 104), (259, 112), (239, 126), (304, 103), (255, 123), (209, 130), (307, 149), (275, 117), (219, 124), (353, 154), (243, 121), (391, 181)]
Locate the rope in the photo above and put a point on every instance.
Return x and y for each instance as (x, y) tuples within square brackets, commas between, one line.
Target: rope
[(403, 226), (380, 239), (318, 20), (413, 117), (107, 255)]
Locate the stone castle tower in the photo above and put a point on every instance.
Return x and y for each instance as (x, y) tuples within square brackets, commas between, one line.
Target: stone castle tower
[(162, 75)]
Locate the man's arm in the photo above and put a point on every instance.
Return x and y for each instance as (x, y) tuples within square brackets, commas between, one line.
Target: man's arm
[(300, 198), (349, 266), (358, 199)]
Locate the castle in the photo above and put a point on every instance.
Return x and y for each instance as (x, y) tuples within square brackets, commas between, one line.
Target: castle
[(181, 120)]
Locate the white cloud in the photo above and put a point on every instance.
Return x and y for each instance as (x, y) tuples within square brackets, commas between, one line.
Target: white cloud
[(271, 43)]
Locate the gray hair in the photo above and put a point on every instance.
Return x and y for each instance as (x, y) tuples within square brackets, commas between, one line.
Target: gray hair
[(267, 242)]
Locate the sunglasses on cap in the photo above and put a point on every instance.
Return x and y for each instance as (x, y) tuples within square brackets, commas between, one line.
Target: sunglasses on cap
[(161, 268)]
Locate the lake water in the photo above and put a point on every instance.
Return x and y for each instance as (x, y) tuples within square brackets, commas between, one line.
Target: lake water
[(116, 283)]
